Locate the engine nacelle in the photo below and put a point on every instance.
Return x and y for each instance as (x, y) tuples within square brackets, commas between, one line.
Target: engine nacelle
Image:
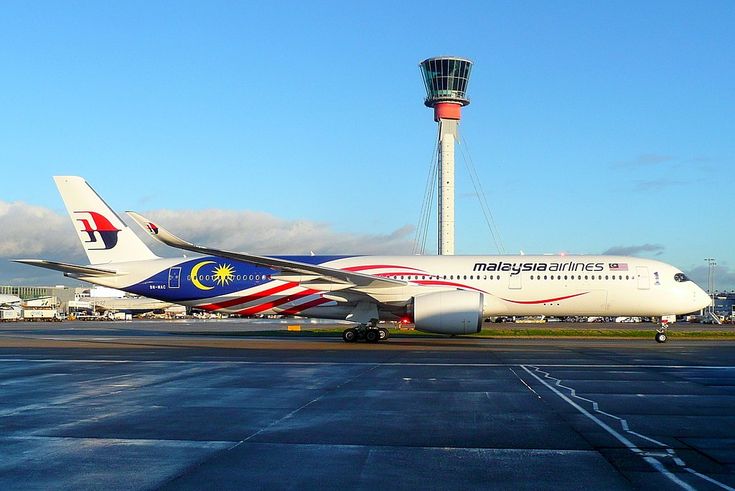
[(449, 312)]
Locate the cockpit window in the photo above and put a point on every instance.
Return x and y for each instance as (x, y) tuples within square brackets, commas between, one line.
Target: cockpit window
[(680, 277)]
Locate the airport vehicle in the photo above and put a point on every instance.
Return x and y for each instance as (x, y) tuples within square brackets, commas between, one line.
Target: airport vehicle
[(48, 314), (11, 300), (439, 294)]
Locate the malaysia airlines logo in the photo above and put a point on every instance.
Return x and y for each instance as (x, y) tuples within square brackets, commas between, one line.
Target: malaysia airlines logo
[(96, 227), (152, 228)]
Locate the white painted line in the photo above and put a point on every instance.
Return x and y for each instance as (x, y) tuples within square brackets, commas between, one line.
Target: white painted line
[(125, 441), (524, 383), (303, 406), (387, 364), (648, 456)]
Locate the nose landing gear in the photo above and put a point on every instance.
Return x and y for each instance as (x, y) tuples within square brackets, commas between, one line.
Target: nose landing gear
[(661, 336)]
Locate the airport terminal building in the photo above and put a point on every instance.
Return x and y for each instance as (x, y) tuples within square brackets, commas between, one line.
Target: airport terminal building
[(725, 303)]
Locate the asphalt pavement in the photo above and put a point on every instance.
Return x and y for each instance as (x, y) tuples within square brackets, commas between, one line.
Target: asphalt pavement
[(140, 406)]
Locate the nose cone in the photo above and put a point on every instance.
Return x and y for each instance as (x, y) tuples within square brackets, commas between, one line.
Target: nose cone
[(701, 299)]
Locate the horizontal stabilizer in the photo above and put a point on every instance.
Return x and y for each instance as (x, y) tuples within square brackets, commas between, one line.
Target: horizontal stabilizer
[(67, 268)]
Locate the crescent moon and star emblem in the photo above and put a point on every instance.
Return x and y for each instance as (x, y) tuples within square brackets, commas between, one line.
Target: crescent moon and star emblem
[(222, 275)]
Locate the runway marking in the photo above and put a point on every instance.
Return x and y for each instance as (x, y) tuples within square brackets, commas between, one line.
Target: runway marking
[(358, 363), (126, 441), (147, 380), (270, 425), (652, 458), (524, 383)]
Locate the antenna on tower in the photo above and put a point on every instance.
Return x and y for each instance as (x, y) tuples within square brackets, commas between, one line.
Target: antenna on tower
[(445, 79)]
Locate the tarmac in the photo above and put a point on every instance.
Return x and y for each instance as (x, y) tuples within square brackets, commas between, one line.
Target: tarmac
[(146, 405)]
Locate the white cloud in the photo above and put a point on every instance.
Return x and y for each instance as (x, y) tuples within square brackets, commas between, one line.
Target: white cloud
[(635, 250), (263, 233), (724, 277), (30, 231)]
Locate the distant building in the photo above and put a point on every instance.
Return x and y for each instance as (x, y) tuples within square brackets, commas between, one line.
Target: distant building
[(63, 294), (66, 298), (724, 303)]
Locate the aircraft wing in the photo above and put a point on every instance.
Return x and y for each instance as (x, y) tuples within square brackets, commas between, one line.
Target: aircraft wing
[(67, 268), (347, 279)]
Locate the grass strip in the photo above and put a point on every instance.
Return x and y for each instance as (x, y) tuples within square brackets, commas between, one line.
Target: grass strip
[(491, 333)]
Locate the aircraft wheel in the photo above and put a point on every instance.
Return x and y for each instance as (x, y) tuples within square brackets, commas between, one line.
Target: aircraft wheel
[(384, 334), (349, 335), (372, 336), (660, 337)]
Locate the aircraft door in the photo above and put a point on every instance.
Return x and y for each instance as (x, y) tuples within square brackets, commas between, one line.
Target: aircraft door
[(644, 282), (174, 277), (514, 282)]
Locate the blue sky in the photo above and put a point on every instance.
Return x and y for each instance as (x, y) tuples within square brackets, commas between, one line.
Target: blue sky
[(593, 125)]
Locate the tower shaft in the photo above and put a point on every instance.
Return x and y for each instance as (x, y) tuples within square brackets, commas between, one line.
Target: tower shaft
[(447, 137)]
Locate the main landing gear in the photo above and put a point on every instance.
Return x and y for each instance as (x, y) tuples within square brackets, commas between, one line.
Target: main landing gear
[(370, 333)]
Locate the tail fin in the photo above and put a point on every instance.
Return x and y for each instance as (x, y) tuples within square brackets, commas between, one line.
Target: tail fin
[(104, 236)]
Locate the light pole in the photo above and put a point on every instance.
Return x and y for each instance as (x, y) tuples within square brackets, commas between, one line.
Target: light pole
[(711, 262)]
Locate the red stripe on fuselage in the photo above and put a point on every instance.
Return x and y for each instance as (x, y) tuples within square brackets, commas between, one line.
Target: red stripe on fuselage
[(531, 302), (379, 266), (304, 306), (248, 298), (275, 303)]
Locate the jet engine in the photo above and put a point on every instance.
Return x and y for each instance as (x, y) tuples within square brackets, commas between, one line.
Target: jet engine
[(448, 312)]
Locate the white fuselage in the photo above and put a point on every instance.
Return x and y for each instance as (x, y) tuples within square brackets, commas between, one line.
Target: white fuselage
[(511, 285)]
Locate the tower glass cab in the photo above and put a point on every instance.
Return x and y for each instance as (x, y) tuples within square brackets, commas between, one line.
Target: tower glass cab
[(445, 79)]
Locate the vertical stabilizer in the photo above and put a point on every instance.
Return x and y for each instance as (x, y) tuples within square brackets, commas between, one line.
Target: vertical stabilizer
[(104, 236)]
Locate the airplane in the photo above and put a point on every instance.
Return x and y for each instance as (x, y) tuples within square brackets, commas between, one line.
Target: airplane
[(439, 294)]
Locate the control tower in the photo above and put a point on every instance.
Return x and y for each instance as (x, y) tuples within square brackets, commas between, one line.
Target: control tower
[(445, 78)]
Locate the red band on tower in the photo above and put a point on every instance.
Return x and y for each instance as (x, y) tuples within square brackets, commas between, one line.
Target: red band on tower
[(447, 110)]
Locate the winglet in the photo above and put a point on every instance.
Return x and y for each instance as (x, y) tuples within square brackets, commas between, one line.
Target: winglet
[(159, 233)]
